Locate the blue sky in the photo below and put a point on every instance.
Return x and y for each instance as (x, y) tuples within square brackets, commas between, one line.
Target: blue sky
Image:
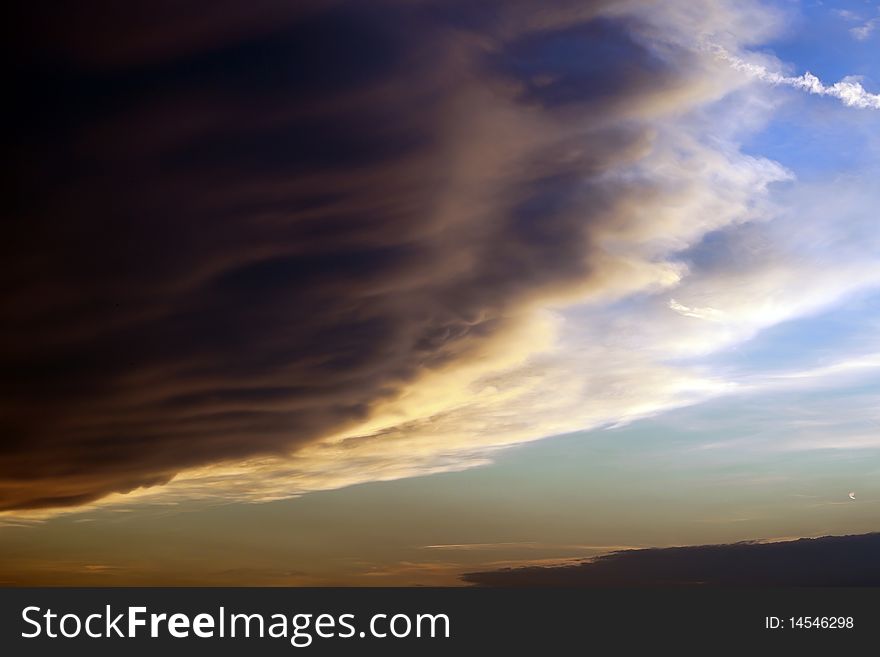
[(817, 138)]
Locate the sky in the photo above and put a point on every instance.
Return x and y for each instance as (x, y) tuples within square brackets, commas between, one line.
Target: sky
[(328, 294)]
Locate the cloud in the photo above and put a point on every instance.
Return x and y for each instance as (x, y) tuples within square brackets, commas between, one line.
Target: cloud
[(709, 314), (860, 32), (240, 238), (243, 246), (847, 15), (307, 248), (849, 90), (864, 32), (826, 561)]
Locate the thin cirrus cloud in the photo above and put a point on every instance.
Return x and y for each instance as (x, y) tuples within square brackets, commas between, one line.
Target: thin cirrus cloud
[(849, 90), (866, 29), (324, 246), (864, 32)]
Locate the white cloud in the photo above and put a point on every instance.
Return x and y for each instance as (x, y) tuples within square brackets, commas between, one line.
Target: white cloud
[(863, 32), (849, 90), (847, 15), (709, 314)]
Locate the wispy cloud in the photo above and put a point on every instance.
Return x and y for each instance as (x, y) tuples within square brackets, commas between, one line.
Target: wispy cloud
[(529, 545), (860, 32), (710, 314), (849, 90), (863, 32)]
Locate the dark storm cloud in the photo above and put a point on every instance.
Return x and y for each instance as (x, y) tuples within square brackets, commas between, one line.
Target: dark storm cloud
[(232, 232), (827, 561)]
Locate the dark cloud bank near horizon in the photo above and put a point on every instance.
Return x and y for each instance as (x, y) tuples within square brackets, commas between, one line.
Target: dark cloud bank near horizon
[(233, 232), (827, 561)]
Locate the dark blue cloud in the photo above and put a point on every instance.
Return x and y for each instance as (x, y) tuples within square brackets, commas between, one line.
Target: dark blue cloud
[(228, 232)]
